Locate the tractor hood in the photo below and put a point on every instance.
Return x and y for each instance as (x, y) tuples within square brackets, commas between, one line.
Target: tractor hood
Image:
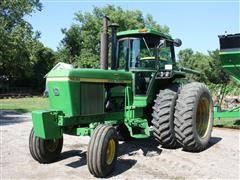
[(90, 75)]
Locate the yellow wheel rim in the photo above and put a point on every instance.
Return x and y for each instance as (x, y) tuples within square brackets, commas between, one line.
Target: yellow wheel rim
[(203, 117), (111, 148)]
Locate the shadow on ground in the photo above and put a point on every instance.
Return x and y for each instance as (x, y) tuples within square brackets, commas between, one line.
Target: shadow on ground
[(82, 158), (213, 141), (146, 147), (149, 147), (8, 117)]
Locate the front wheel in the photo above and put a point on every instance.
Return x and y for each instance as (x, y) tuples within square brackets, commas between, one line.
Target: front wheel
[(194, 117), (102, 151), (44, 151)]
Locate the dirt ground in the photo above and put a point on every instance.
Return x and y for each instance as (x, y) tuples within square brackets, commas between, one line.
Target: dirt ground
[(137, 159)]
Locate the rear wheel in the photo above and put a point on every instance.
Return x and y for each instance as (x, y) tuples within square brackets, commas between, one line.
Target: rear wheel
[(194, 117), (102, 151), (163, 117), (44, 151)]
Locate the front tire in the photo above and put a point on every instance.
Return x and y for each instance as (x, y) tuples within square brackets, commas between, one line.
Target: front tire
[(102, 151), (194, 117), (44, 151)]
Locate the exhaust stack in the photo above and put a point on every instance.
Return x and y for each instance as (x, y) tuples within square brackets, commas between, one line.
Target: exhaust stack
[(104, 44)]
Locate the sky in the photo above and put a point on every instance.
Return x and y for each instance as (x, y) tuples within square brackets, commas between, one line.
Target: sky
[(197, 23)]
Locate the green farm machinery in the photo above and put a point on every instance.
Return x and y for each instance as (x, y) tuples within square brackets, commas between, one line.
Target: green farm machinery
[(230, 59), (142, 93)]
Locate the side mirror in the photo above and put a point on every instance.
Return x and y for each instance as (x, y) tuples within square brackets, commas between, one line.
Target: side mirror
[(177, 42)]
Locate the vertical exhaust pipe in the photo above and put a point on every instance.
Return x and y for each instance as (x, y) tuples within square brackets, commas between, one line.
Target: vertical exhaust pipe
[(104, 44), (114, 27)]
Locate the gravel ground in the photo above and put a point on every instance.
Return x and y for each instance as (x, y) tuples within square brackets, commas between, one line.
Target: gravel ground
[(137, 159)]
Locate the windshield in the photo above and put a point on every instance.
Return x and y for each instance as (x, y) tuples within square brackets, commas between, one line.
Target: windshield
[(141, 53)]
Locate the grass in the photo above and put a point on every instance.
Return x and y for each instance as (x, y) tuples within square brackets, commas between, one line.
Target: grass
[(37, 103), (24, 104)]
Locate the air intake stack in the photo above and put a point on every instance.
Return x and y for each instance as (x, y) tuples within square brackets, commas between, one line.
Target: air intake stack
[(114, 27)]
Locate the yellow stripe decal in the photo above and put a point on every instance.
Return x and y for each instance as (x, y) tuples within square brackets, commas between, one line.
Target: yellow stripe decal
[(75, 79)]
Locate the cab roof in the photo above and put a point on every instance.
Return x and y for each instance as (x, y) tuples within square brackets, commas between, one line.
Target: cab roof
[(144, 32)]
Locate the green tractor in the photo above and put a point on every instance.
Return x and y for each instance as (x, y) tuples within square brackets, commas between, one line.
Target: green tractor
[(143, 89)]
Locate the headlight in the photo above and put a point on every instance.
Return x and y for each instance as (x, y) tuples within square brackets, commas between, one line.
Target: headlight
[(163, 74)]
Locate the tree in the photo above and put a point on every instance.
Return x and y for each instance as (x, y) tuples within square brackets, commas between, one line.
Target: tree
[(16, 38), (44, 59), (185, 56), (209, 65), (72, 44), (216, 74), (150, 23), (81, 44), (196, 61)]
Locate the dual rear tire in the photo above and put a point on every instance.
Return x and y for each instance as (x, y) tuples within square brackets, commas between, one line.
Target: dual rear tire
[(163, 117), (194, 117), (183, 117)]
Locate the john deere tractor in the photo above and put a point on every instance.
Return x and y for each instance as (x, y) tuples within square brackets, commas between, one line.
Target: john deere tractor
[(143, 89)]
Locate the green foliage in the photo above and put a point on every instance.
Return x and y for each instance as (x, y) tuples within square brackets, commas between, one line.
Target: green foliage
[(23, 59), (81, 44), (231, 89), (16, 37), (150, 23), (73, 43), (196, 61), (43, 60), (211, 69), (216, 74)]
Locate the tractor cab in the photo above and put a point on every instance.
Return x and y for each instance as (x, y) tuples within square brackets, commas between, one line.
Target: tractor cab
[(145, 52)]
